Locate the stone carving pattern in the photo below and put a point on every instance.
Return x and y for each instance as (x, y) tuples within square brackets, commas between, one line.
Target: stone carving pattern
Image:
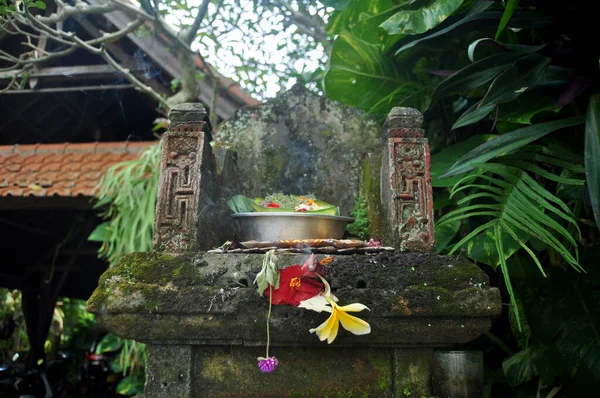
[(413, 200), (180, 188), (176, 215)]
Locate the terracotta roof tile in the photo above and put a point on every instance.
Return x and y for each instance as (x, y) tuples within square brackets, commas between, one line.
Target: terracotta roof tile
[(61, 169)]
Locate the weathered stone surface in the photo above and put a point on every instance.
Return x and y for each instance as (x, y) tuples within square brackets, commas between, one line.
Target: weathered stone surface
[(412, 372), (169, 371), (200, 298), (403, 118), (187, 115), (302, 372), (301, 143), (457, 374), (185, 215), (406, 193), (370, 189)]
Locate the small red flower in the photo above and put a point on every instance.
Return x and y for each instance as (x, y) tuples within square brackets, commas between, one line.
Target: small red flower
[(273, 205), (293, 287), (374, 243)]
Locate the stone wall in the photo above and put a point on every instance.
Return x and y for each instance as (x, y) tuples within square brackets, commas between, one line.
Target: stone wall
[(301, 143)]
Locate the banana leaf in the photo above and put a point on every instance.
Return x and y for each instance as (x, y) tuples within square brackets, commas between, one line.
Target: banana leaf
[(240, 204)]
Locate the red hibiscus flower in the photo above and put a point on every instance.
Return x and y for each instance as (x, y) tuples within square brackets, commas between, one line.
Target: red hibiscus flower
[(293, 287)]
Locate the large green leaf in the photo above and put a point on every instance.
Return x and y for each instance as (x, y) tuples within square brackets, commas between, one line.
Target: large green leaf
[(523, 108), (475, 75), (511, 6), (367, 28), (592, 154), (517, 48), (358, 74), (410, 94), (525, 19), (509, 142), (483, 248), (444, 235), (414, 22), (357, 10), (476, 13), (524, 74), (556, 76), (474, 114), (519, 368), (442, 160)]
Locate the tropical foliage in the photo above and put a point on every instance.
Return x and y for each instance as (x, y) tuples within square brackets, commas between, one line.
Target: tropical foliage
[(127, 197), (512, 104)]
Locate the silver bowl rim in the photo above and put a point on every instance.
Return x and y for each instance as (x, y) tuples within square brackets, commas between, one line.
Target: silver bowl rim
[(291, 214)]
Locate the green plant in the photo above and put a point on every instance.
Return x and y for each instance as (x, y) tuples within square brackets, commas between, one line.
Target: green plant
[(518, 209), (127, 192), (511, 96), (559, 339), (360, 212)]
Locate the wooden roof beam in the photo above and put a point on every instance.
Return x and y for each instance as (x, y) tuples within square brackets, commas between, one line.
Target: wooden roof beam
[(120, 55), (70, 73)]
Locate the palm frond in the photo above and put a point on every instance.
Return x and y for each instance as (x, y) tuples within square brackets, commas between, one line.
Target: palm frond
[(511, 205), (127, 195)]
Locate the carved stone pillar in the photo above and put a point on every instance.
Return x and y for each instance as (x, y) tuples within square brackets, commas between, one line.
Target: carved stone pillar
[(185, 187), (406, 196)]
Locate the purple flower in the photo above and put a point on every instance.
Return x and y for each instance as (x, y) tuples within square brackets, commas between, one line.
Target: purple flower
[(267, 365)]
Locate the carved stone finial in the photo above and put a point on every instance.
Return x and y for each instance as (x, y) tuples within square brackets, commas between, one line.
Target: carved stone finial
[(187, 116), (406, 193), (400, 117), (403, 122), (187, 113)]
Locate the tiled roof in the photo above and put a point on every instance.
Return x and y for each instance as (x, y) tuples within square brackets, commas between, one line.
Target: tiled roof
[(63, 170)]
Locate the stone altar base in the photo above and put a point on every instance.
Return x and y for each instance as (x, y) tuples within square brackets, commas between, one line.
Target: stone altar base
[(205, 323)]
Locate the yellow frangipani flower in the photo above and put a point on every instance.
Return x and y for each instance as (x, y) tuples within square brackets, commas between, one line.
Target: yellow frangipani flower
[(328, 330)]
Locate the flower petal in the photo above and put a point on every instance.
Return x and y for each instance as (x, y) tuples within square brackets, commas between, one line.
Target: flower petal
[(317, 303), (353, 324), (355, 307), (327, 291), (334, 327), (325, 329)]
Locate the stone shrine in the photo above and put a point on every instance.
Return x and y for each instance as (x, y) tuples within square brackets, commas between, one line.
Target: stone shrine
[(204, 322)]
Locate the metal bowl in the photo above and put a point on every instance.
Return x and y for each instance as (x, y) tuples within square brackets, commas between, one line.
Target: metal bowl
[(273, 226)]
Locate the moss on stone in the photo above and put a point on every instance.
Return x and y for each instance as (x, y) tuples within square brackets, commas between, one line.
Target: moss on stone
[(203, 297), (301, 372), (412, 369), (370, 182)]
